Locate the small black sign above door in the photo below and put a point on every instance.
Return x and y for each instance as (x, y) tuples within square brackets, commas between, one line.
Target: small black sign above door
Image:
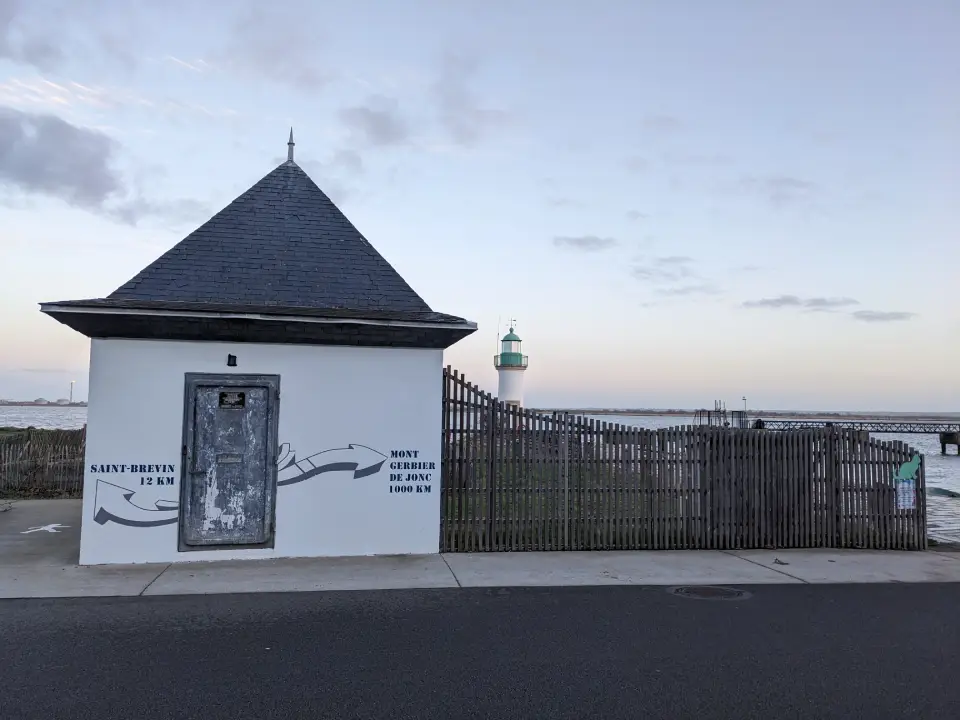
[(232, 400)]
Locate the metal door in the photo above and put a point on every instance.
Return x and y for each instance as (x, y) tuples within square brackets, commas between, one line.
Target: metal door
[(229, 463)]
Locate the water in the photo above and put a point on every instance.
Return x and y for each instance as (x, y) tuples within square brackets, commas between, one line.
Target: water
[(44, 416), (943, 471)]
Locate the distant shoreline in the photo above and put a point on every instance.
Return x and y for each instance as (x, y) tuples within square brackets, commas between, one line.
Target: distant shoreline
[(17, 403), (674, 412), (788, 414)]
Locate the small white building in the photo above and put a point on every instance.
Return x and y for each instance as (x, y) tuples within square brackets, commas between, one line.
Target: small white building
[(511, 364), (269, 387)]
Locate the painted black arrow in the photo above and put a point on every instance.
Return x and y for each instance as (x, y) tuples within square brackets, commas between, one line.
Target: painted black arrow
[(104, 516), (362, 460), (115, 504)]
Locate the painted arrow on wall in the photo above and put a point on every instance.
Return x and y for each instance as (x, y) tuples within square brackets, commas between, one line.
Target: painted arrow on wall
[(116, 504), (360, 459)]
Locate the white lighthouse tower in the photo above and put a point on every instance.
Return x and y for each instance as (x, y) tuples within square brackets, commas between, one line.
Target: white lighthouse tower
[(510, 364)]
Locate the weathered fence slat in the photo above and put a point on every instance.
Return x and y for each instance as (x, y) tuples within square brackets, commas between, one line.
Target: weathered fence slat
[(42, 463), (515, 480)]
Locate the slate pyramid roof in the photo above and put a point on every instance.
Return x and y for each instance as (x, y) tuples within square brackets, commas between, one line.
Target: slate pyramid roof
[(281, 243), (282, 249)]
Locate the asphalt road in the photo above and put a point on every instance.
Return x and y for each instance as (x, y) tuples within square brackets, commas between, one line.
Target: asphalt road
[(817, 652)]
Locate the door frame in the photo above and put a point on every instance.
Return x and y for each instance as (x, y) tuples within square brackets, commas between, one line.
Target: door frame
[(192, 381)]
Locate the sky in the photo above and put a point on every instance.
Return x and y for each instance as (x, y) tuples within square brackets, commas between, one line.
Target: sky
[(678, 201)]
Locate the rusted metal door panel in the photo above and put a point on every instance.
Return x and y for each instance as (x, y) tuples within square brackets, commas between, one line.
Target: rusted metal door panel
[(229, 465)]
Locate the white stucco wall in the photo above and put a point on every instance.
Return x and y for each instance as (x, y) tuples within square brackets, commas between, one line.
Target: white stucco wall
[(388, 400)]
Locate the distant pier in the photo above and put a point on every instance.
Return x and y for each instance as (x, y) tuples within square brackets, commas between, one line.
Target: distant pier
[(905, 427), (949, 432), (949, 438)]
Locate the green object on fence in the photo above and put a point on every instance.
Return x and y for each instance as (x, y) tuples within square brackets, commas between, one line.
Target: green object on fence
[(909, 469)]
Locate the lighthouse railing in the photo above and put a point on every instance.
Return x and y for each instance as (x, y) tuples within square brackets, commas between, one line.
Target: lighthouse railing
[(504, 360)]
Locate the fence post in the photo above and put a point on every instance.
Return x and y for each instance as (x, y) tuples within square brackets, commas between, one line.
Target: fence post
[(560, 423), (921, 491), (491, 488), (834, 486)]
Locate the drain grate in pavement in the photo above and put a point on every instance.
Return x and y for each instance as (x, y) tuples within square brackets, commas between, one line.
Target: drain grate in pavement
[(709, 592)]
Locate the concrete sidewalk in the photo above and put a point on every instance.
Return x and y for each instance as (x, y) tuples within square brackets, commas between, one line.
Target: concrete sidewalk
[(39, 547)]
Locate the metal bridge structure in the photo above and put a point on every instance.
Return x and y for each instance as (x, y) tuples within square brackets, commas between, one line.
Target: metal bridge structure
[(907, 427)]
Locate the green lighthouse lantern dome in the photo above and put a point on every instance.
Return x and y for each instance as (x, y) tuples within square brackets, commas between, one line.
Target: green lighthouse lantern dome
[(510, 355)]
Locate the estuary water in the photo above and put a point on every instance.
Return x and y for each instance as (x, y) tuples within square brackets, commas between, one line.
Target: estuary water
[(943, 471)]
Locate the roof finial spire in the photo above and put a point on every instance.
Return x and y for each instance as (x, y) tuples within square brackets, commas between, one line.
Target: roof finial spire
[(290, 145)]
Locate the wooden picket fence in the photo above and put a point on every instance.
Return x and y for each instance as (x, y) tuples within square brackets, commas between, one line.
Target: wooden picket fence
[(516, 480), (41, 463)]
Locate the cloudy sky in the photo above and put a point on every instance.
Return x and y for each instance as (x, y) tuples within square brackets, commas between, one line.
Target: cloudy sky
[(679, 201)]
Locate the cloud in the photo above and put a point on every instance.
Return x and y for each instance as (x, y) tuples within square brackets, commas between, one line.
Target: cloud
[(828, 304), (694, 289), (635, 215), (821, 304), (671, 268), (878, 316), (780, 301), (696, 159), (38, 94), (29, 37), (563, 202), (174, 212), (21, 44), (674, 276), (378, 122), (780, 190), (635, 163), (347, 160), (269, 45), (329, 174), (587, 243), (196, 66), (661, 123), (45, 155), (461, 115), (116, 47)]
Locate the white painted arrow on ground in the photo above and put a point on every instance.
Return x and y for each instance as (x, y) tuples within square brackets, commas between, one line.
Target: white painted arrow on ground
[(52, 527)]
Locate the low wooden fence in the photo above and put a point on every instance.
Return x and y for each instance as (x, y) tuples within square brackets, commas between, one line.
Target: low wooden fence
[(518, 480), (41, 463)]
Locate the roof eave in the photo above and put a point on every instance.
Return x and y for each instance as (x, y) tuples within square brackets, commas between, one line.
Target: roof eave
[(75, 307), (194, 325)]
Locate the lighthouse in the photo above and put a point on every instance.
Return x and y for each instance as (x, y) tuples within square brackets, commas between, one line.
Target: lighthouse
[(510, 364)]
